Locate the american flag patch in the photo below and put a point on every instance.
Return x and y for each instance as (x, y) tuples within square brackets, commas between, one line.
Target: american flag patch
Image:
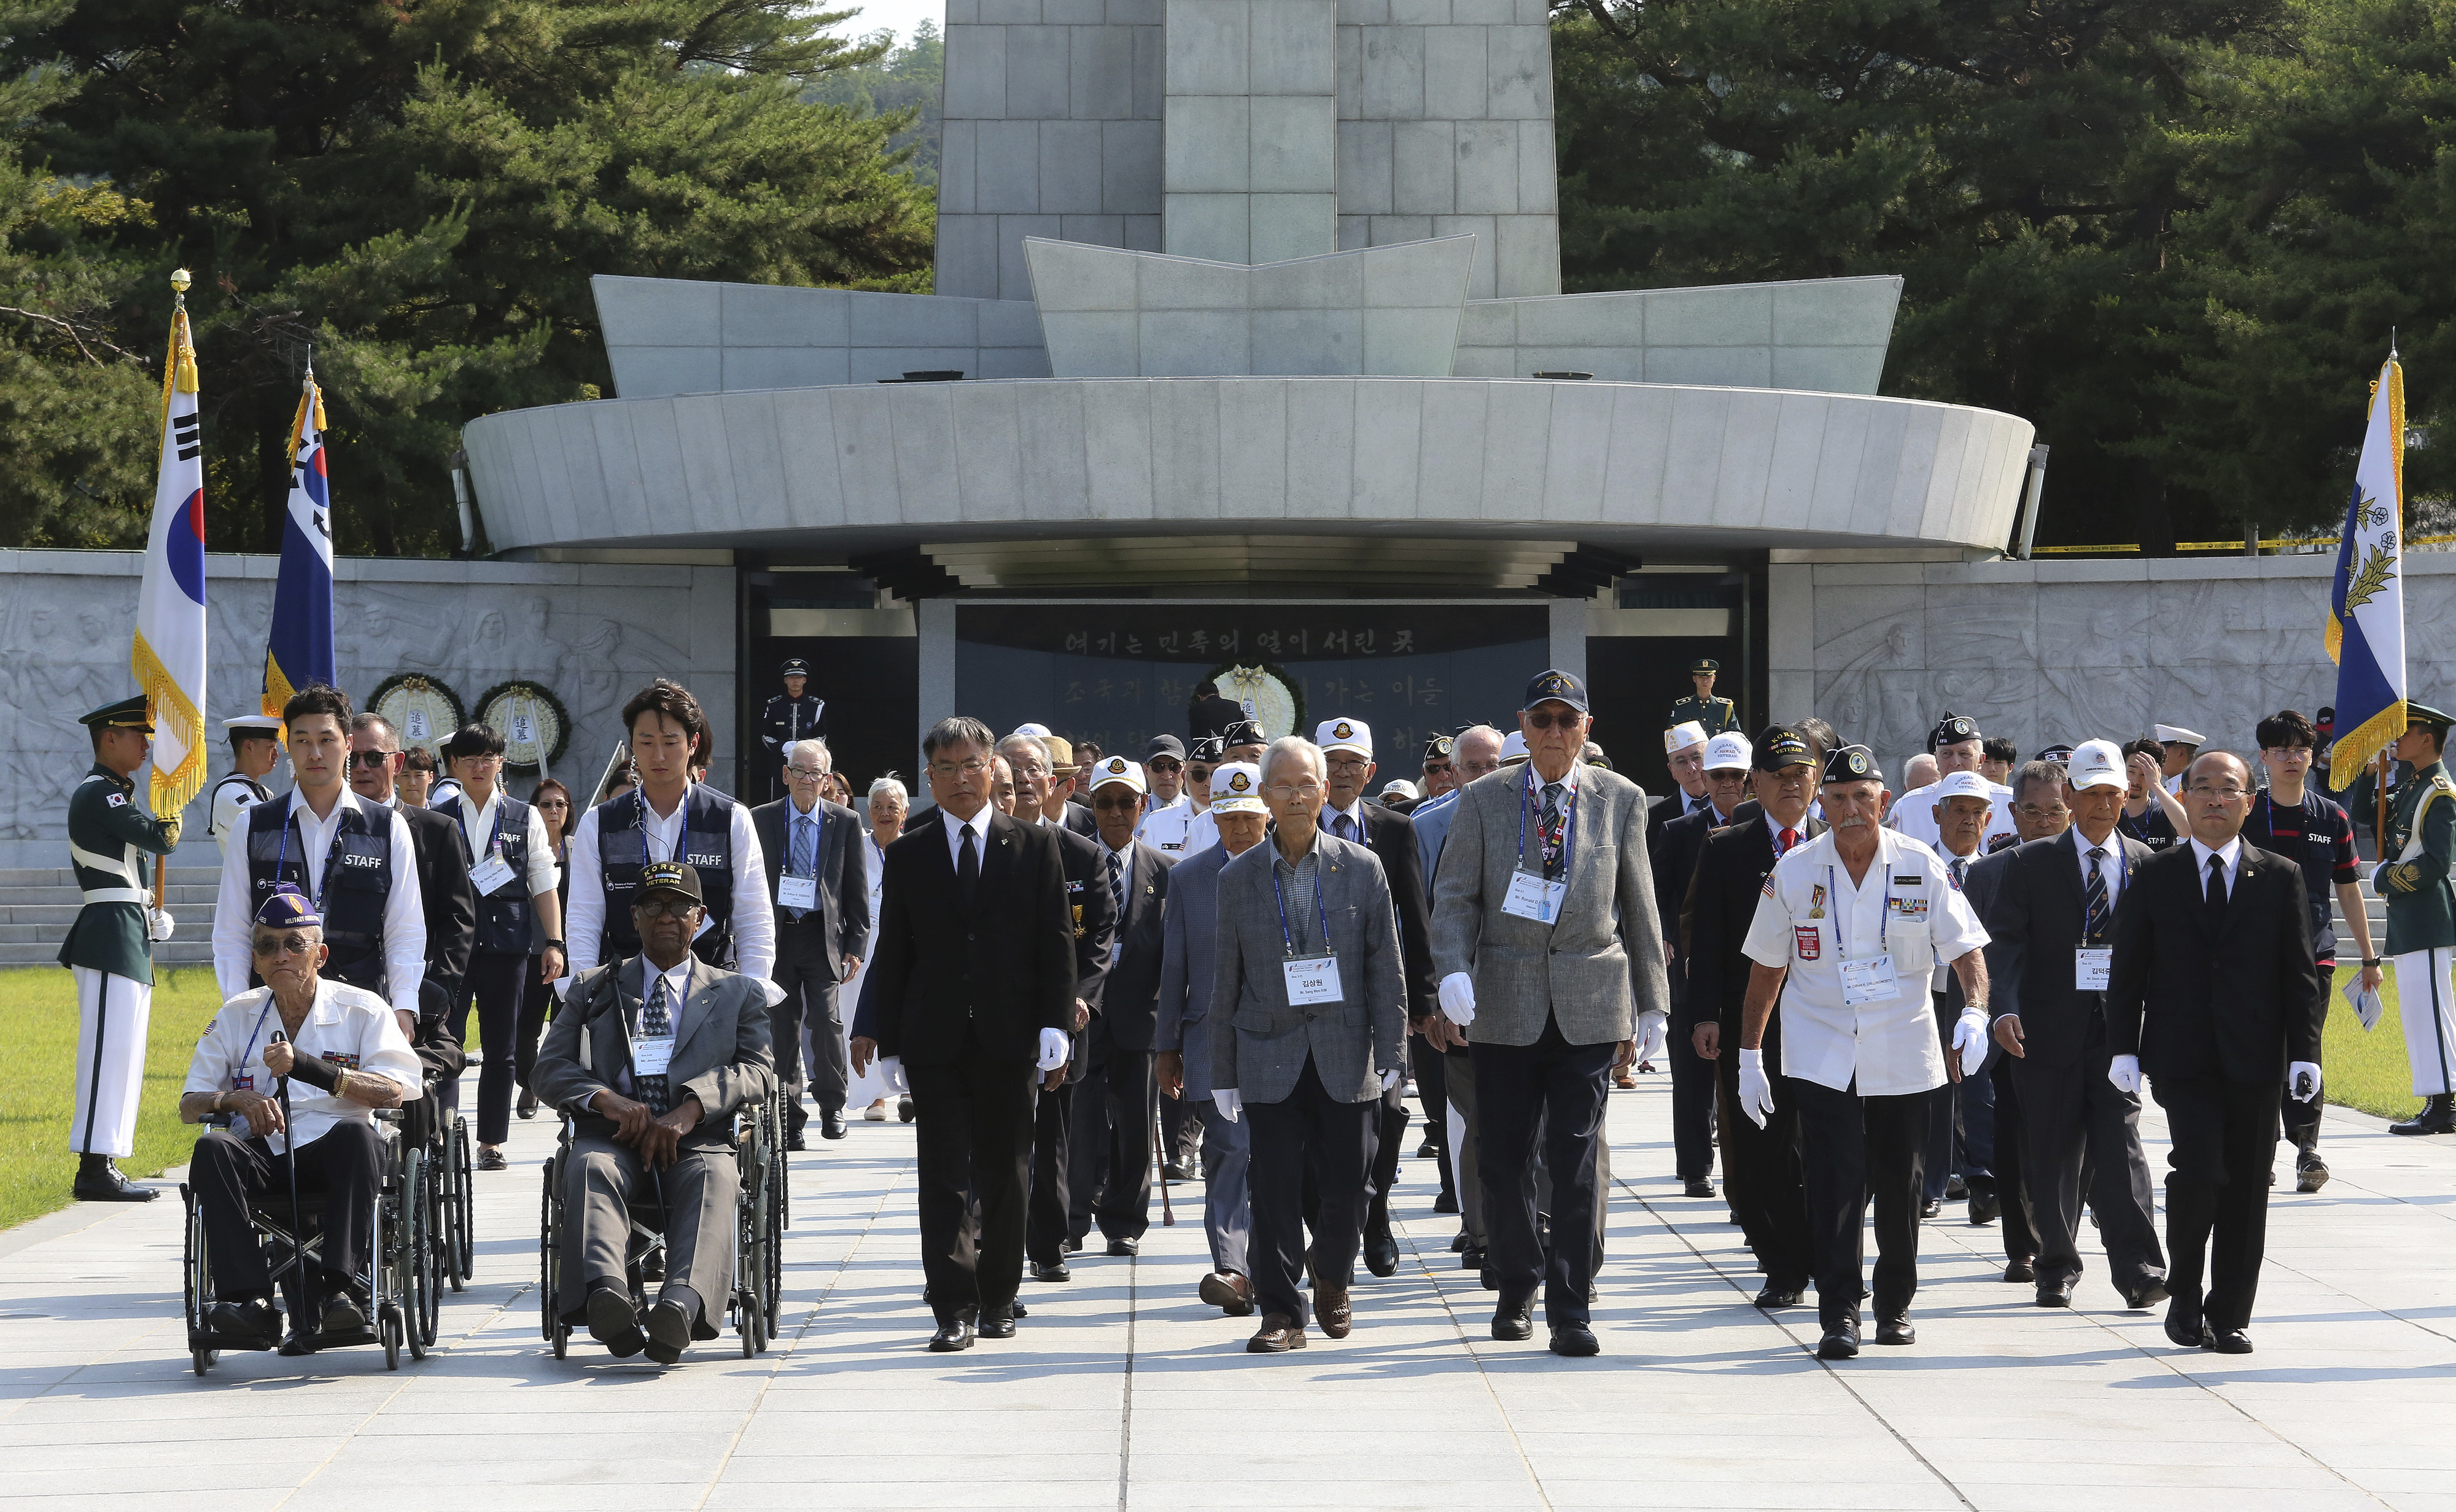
[(1768, 886)]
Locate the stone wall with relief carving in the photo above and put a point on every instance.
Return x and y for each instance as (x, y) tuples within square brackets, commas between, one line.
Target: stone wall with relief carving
[(592, 633), (2047, 651)]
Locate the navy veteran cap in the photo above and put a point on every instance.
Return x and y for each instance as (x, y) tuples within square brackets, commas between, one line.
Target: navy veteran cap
[(1951, 730), (1244, 732), (670, 876), (796, 666), (1779, 748), (1556, 687), (129, 713), (2428, 718), (1852, 763), (1702, 665), (288, 908)]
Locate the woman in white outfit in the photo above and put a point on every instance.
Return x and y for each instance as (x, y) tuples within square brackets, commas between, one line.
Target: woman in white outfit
[(889, 803)]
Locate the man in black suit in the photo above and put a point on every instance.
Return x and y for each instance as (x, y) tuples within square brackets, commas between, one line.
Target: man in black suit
[(1347, 754), (1729, 757), (445, 894), (1112, 1119), (2214, 994), (973, 978), (819, 879), (1761, 1170), (1994, 1124), (2052, 924), (1047, 1233)]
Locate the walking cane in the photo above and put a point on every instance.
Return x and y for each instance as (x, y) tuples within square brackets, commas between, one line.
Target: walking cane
[(290, 1164), (1167, 1212)]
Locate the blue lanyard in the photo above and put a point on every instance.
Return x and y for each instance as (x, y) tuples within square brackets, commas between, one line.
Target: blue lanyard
[(289, 817), (249, 1053), (683, 808), (1841, 919), (1568, 823), (1287, 939)]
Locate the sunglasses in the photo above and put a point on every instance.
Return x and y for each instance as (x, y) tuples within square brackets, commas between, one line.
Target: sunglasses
[(371, 757), (1118, 801), (663, 907), (554, 802), (1164, 764), (1566, 718), (283, 945)]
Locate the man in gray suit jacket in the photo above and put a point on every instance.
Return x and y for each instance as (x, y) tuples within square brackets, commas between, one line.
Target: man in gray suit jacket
[(1546, 935), (1189, 959), (1307, 1031), (652, 1057), (820, 882)]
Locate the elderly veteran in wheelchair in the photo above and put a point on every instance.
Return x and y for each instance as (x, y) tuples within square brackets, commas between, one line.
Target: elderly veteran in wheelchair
[(651, 1058), (343, 1053)]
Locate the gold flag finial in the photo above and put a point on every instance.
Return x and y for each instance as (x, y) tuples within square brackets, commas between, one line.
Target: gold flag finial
[(180, 278)]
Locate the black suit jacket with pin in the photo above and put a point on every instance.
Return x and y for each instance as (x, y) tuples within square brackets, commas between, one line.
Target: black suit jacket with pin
[(450, 902), (2034, 923), (1714, 918), (1130, 1000), (2236, 1001), (1391, 837), (949, 981)]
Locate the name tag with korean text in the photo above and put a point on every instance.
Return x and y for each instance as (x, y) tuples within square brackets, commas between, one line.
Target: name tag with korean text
[(797, 893), (491, 873), (1312, 980), (1531, 897), (651, 1058), (1869, 979), (2091, 964)]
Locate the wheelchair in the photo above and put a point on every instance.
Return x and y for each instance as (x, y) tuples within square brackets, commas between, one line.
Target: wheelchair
[(757, 1267), (401, 1277), (445, 1192)]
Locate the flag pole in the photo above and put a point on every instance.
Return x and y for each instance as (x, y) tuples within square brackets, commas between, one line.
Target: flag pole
[(180, 278)]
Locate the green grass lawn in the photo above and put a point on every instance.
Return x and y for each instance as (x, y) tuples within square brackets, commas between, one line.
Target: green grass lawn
[(2367, 1071)]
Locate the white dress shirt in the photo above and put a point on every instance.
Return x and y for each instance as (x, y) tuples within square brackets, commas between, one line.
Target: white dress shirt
[(1355, 816), (478, 827), (2233, 857), (310, 840), (2111, 867), (347, 1026), (979, 826), (754, 915)]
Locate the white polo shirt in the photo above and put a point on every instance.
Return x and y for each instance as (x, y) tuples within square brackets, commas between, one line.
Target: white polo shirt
[(348, 1026), (1812, 919), (1166, 828)]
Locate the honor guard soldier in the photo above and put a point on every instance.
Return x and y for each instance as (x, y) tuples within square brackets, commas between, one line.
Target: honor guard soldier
[(2421, 922), (1715, 714), (789, 716), (109, 950), (255, 749)]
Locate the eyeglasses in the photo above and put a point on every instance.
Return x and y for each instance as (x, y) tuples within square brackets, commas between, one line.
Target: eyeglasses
[(284, 944), (2042, 812), (1566, 718), (663, 907), (1285, 790), (371, 757), (972, 767), (808, 774), (2228, 792), (1348, 765), (480, 759)]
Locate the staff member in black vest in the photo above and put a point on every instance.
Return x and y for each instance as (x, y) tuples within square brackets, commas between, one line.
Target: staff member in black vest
[(511, 868), (819, 877), (669, 817), (445, 897), (2213, 993), (351, 858)]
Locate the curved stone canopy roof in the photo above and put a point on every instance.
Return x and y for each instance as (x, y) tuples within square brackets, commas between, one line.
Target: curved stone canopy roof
[(862, 468)]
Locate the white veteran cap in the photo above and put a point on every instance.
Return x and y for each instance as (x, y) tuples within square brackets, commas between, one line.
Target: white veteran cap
[(1236, 789), (1344, 734), (1112, 770), (1728, 751), (1962, 784), (2097, 764), (1513, 747), (1680, 737)]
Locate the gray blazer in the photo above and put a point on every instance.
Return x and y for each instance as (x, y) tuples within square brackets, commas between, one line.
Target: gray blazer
[(1188, 962), (1599, 965), (721, 1054), (1259, 1043)]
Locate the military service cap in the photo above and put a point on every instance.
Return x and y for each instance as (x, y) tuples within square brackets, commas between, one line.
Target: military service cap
[(1244, 732), (2060, 753), (287, 908), (1440, 748), (248, 725), (1702, 665), (1951, 730), (671, 877), (129, 713), (2423, 716), (1209, 748), (796, 666), (1852, 763)]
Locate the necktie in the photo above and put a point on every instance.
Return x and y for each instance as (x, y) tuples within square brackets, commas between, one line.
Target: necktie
[(2216, 901), (1118, 886), (1342, 826), (656, 1022), (1958, 862), (1782, 847), (968, 869), (2094, 895), (1552, 860), (803, 863)]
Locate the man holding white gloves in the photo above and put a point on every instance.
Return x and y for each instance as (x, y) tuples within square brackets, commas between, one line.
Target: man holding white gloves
[(1843, 938), (971, 993), (1545, 934), (1307, 1022)]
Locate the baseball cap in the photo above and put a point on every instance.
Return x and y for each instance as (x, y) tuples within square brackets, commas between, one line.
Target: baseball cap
[(670, 876), (1962, 784), (1236, 789), (1244, 732), (1513, 747), (1111, 770), (1554, 686), (1344, 734), (1782, 747), (1164, 746), (1728, 751), (2096, 764)]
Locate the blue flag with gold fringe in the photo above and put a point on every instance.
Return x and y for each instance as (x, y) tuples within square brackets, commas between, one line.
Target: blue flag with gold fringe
[(299, 647), (2365, 632)]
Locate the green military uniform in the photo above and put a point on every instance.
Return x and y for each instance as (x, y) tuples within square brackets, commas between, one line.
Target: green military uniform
[(109, 952), (1716, 714), (2412, 879)]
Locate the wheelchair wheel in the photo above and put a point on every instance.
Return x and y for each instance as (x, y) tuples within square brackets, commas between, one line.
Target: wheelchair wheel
[(464, 1258), (550, 1324), (388, 1326), (415, 1265), (197, 1283)]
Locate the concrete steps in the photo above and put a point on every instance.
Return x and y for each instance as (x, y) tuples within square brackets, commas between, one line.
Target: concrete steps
[(37, 904)]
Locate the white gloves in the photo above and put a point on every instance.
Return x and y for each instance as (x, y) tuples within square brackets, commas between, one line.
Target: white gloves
[(890, 1075), (1458, 998), (1230, 1100), (158, 925), (1054, 1047), (1756, 1089), (1970, 1037), (1649, 1036), (2125, 1072), (1392, 1077), (2302, 1080)]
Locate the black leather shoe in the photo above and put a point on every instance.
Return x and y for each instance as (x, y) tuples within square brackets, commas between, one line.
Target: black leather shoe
[(997, 1325), (831, 1126), (252, 1324), (1074, 1246), (1576, 1340), (1050, 1272), (1778, 1297), (1471, 1259), (1696, 1187), (346, 1310), (903, 1109), (1124, 1249), (1381, 1253), (527, 1105), (1459, 1242), (1018, 1310), (954, 1333), (1930, 1209), (2310, 1172), (1956, 1189), (1446, 1202), (613, 1323), (1428, 1151), (1896, 1330), (2231, 1341), (99, 1180), (2183, 1326), (2020, 1269), (2055, 1294), (795, 1142), (669, 1329), (2438, 1116), (1985, 1207), (2141, 1299), (1514, 1319), (1841, 1341)]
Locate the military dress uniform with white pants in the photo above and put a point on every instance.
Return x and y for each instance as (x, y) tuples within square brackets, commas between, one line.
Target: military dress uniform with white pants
[(1859, 1048), (109, 952), (2422, 923)]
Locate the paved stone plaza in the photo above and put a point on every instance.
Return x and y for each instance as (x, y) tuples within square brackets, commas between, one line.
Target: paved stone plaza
[(1123, 1391)]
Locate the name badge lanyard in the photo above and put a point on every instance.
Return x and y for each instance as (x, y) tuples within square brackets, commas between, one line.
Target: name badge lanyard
[(1569, 823), (1287, 940), (1884, 918), (240, 1079), (289, 817)]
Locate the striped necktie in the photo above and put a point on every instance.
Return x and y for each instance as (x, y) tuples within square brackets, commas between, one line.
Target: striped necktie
[(1554, 863), (1118, 886), (805, 849), (2094, 894)]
